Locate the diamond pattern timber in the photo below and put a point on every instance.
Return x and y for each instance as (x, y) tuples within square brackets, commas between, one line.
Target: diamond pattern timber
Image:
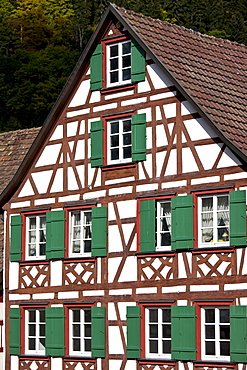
[(34, 364), (214, 264), (79, 273), (75, 365), (34, 276), (156, 367), (156, 268), (213, 368)]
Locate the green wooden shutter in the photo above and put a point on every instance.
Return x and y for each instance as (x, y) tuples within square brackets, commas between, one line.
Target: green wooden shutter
[(138, 127), (99, 231), (133, 332), (238, 217), (182, 222), (96, 69), (147, 225), (138, 62), (183, 327), (54, 331), (98, 331), (15, 331), (97, 143), (55, 234), (238, 333), (15, 238)]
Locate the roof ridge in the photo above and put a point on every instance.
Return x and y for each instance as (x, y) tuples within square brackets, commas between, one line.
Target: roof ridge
[(174, 25)]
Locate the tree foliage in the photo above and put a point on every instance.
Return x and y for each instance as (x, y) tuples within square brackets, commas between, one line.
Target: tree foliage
[(41, 41)]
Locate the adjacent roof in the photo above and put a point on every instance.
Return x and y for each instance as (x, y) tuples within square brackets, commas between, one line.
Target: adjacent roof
[(213, 71)]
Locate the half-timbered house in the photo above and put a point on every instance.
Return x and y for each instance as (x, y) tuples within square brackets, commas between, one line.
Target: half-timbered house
[(126, 221)]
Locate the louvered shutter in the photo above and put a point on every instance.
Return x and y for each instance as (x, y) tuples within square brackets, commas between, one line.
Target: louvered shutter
[(237, 217), (15, 331), (54, 331), (238, 333), (183, 327), (182, 222), (15, 238), (96, 69), (98, 331), (138, 62), (55, 234), (147, 225), (133, 332), (138, 126), (96, 143), (99, 231)]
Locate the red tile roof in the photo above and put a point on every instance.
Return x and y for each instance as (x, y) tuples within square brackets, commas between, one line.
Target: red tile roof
[(213, 71)]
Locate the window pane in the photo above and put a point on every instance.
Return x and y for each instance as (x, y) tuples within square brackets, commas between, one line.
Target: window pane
[(209, 315), (126, 48), (42, 315), (114, 141), (114, 154), (41, 236), (76, 315), (32, 330), (76, 247), (114, 64), (42, 248), (225, 315), (42, 330), (76, 330), (41, 343), (166, 315), (126, 61), (31, 344), (32, 223), (223, 234), (87, 315), (210, 332), (166, 346), (153, 331), (126, 74), (87, 345), (114, 77), (207, 235), (153, 315), (113, 51), (225, 348), (114, 127), (76, 344), (127, 139), (153, 346), (127, 125), (210, 348), (42, 222), (224, 331), (165, 239), (32, 316), (223, 202), (166, 332), (87, 246), (207, 204), (127, 152), (87, 330), (76, 218)]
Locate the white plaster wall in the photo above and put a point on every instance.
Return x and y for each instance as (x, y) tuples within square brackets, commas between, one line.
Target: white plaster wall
[(143, 86), (114, 240), (187, 108), (72, 182), (14, 362), (198, 129), (13, 275), (56, 273), (49, 155), (129, 271), (206, 159), (189, 163), (159, 79), (27, 190), (228, 159), (56, 363), (58, 133), (81, 94), (171, 168), (80, 150), (161, 138), (115, 342), (113, 264), (72, 128), (42, 180), (170, 110), (58, 181)]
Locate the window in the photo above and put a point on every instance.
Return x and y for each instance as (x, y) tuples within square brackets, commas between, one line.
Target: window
[(119, 140), (119, 63), (214, 220), (80, 331), (35, 331), (215, 332), (158, 332), (155, 225), (35, 236), (80, 232), (163, 225)]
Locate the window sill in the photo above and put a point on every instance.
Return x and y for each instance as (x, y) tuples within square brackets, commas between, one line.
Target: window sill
[(111, 167), (79, 358), (33, 357), (117, 88), (34, 262), (154, 361), (156, 254), (215, 249), (214, 363), (79, 259)]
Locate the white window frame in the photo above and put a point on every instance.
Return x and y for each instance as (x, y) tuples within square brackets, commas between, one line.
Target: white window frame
[(215, 241), (159, 338), (82, 227), (120, 68), (82, 324), (217, 339), (121, 145), (159, 218), (37, 231), (37, 336)]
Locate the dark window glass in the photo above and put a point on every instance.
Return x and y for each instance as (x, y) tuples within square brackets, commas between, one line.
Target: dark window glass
[(210, 315), (210, 348), (114, 76), (166, 346), (114, 51), (225, 348), (153, 346), (126, 74), (126, 48)]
